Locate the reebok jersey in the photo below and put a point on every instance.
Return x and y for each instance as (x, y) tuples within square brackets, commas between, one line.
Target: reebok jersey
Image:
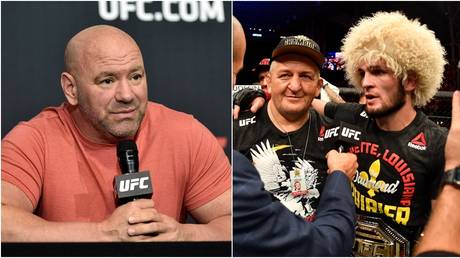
[(399, 172)]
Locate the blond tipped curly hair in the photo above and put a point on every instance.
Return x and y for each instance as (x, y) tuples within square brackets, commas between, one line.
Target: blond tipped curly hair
[(403, 45)]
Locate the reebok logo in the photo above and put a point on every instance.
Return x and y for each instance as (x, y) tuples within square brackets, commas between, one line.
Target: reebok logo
[(419, 142), (321, 133)]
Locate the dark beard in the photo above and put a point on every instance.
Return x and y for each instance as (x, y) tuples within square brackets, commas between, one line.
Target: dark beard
[(385, 111)]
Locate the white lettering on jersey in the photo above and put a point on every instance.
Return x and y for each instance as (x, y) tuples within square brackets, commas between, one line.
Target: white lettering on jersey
[(247, 121)]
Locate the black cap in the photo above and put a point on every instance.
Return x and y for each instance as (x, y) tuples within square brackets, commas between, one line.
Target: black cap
[(301, 45)]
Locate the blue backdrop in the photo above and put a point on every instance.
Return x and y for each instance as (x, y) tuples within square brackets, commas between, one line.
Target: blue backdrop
[(186, 47)]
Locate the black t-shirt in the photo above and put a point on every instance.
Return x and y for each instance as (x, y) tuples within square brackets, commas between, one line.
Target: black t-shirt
[(292, 166), (399, 172)]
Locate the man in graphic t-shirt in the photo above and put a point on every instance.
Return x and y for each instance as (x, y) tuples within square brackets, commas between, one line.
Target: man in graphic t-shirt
[(281, 139), (263, 226)]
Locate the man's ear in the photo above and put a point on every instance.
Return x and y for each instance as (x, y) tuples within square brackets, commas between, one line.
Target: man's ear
[(411, 82), (69, 88), (269, 83), (319, 86)]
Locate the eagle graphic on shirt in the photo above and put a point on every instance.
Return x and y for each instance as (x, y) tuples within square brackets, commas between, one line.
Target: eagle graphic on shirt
[(279, 179)]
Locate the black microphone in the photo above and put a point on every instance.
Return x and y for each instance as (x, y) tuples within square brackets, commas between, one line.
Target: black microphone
[(343, 135), (131, 185)]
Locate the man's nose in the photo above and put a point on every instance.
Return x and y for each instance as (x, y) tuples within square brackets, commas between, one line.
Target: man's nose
[(295, 83), (124, 91), (367, 80)]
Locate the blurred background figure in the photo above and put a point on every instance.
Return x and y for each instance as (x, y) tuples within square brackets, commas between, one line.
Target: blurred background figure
[(261, 72)]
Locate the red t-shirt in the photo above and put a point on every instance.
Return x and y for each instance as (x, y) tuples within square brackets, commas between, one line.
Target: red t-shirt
[(69, 178)]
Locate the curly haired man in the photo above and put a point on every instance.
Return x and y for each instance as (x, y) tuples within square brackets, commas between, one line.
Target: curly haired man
[(398, 63)]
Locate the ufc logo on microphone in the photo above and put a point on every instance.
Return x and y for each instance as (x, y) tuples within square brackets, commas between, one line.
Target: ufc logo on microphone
[(132, 184)]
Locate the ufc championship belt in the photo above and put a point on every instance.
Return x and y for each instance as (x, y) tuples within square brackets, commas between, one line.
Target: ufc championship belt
[(375, 238)]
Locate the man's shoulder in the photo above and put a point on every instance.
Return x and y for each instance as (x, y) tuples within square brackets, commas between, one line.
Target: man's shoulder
[(430, 126), (248, 129), (318, 117), (251, 121), (247, 120), (50, 118), (50, 126), (160, 118), (160, 111), (161, 115), (49, 114), (350, 106), (345, 111)]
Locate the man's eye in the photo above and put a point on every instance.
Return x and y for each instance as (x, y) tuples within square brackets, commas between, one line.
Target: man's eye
[(306, 77), (137, 77), (378, 72), (106, 81), (284, 76)]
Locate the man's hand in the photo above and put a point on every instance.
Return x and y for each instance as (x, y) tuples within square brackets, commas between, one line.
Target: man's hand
[(256, 104), (453, 138), (132, 215), (155, 227), (139, 221), (345, 162)]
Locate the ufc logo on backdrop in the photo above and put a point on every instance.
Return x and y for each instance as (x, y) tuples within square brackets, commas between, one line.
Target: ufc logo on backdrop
[(168, 10)]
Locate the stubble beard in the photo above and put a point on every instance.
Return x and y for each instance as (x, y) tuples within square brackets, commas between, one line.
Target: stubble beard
[(126, 128), (122, 129), (400, 100)]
